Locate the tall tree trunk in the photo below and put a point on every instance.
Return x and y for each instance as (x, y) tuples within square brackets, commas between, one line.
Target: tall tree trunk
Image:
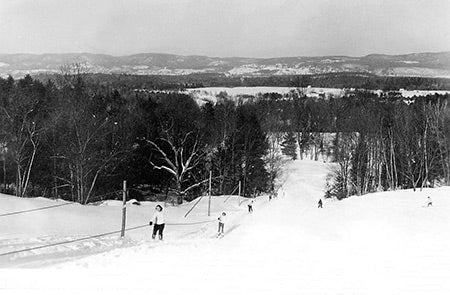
[(19, 181), (425, 155), (4, 173), (30, 164)]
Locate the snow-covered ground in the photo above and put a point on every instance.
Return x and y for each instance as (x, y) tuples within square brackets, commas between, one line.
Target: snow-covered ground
[(210, 93), (65, 221), (234, 91), (382, 243), (417, 93)]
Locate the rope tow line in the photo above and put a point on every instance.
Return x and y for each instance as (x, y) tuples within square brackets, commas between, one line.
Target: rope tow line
[(36, 209), (48, 207), (93, 237), (67, 242), (192, 223)]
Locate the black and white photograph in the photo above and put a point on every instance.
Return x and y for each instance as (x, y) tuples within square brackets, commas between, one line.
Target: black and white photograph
[(159, 147)]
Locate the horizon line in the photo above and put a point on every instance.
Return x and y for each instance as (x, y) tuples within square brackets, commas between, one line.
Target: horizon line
[(222, 57)]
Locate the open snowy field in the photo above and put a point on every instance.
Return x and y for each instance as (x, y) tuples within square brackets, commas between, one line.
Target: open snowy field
[(234, 91), (382, 243), (210, 93), (412, 93)]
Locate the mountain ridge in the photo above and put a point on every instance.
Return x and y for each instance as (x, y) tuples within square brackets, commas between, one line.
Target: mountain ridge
[(425, 64)]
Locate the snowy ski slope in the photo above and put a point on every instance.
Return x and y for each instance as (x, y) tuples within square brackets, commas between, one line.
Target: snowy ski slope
[(382, 243)]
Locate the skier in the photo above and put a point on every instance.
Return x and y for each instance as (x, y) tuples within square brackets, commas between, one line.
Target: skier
[(221, 224), (158, 220), (319, 204), (250, 206), (429, 202)]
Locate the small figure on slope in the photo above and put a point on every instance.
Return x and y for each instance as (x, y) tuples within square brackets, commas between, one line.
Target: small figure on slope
[(319, 204), (250, 206), (429, 202), (158, 221), (221, 224)]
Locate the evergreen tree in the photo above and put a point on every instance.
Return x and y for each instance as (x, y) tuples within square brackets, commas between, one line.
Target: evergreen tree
[(250, 147), (289, 145)]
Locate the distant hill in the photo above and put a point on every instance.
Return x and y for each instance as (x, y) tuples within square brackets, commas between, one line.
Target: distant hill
[(415, 64)]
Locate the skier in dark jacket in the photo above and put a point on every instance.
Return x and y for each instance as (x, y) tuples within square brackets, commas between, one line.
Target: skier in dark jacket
[(319, 204), (250, 206)]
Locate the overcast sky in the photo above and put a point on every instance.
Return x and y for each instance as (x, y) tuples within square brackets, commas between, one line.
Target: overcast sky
[(256, 28)]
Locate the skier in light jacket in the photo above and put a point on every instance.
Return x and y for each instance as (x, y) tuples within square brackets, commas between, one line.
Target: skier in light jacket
[(221, 219), (158, 222)]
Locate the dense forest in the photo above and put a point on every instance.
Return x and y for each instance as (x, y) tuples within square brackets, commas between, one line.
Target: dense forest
[(377, 143), (77, 138), (330, 80), (78, 141)]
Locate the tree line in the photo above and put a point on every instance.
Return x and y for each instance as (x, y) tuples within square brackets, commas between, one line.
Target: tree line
[(75, 139), (330, 80), (379, 143)]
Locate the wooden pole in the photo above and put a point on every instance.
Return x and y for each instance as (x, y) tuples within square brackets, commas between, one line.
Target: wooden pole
[(55, 181), (124, 208), (239, 193), (209, 201), (199, 199), (4, 173)]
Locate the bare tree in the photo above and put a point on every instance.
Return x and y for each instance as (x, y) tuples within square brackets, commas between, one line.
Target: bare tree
[(438, 115), (24, 126), (179, 160), (87, 135)]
